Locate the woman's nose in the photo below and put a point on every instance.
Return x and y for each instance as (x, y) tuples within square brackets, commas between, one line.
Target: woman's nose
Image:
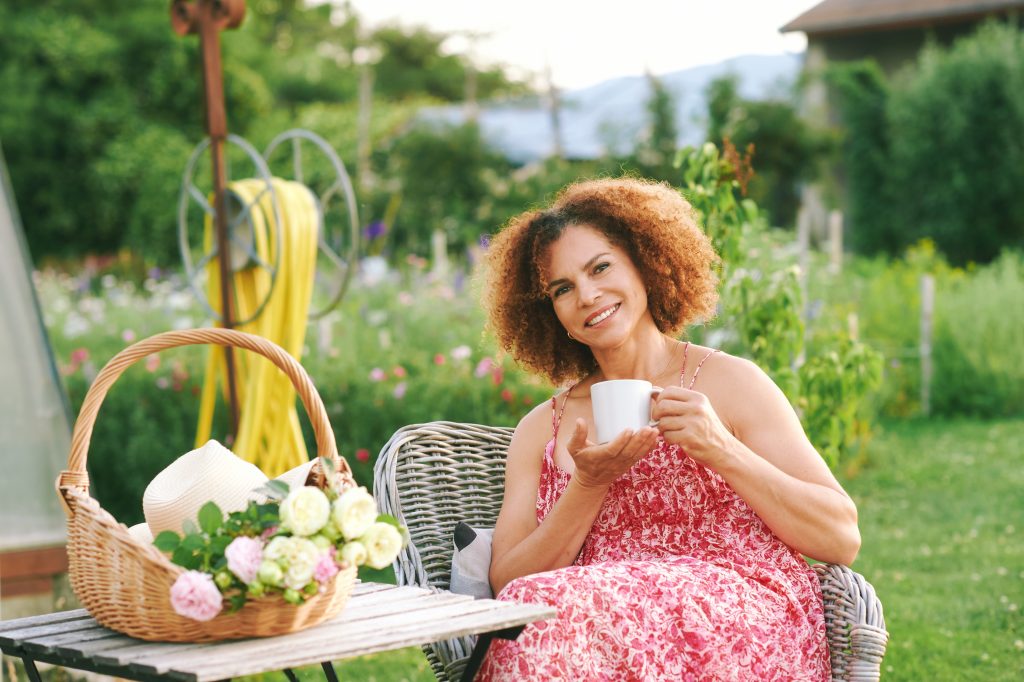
[(588, 294)]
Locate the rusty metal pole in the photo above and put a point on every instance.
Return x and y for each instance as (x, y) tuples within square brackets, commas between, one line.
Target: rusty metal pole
[(208, 18)]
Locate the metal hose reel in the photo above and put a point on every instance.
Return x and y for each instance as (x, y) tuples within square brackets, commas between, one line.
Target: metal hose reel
[(298, 155)]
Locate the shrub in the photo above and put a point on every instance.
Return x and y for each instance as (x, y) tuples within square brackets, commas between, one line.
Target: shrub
[(979, 334), (938, 153)]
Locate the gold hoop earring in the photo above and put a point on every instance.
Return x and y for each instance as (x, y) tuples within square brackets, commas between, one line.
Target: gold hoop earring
[(569, 334)]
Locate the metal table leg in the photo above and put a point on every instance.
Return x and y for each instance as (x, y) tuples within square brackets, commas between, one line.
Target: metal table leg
[(30, 669)]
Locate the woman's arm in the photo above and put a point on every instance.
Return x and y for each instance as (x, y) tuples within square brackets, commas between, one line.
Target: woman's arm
[(521, 546), (769, 461)]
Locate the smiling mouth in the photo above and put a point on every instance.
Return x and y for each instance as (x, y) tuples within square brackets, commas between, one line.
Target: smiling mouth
[(600, 317)]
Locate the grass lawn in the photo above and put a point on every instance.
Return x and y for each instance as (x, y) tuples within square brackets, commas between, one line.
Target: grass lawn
[(942, 519)]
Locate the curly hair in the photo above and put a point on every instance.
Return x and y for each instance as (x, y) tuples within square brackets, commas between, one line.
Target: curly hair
[(650, 221)]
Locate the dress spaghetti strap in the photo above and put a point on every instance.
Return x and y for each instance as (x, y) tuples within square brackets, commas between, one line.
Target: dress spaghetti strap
[(556, 414), (696, 372)]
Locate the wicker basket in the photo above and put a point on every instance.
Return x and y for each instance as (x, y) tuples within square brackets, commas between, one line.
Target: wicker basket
[(126, 585)]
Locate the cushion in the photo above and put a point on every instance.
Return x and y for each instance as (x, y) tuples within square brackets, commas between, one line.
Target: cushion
[(471, 561)]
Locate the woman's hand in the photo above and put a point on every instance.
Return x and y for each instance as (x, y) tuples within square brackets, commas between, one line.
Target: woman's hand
[(687, 419), (597, 466)]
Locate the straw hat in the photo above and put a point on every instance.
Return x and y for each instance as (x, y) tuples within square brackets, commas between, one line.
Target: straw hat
[(209, 473)]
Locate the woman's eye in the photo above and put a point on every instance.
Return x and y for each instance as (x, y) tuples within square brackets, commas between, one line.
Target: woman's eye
[(601, 267), (559, 291)]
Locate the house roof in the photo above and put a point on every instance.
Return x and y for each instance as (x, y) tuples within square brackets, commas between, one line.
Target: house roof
[(855, 16)]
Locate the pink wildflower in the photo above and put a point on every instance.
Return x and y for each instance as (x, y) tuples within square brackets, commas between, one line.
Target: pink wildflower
[(399, 391), (244, 555), (79, 355), (377, 374), (439, 359), (506, 395), (194, 595), (128, 336), (483, 367), (461, 353), (362, 455), (497, 375), (152, 362), (399, 372)]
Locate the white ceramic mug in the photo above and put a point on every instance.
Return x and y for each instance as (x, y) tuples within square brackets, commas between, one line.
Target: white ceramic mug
[(621, 404)]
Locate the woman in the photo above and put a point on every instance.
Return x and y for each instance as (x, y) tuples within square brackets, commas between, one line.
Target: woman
[(672, 552)]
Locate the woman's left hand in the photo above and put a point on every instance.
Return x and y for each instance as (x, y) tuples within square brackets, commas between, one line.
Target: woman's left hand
[(687, 419)]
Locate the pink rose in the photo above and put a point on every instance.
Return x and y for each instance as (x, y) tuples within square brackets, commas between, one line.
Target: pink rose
[(194, 595), (244, 555), (326, 569)]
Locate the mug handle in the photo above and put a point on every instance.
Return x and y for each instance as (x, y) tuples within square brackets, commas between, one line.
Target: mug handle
[(655, 391)]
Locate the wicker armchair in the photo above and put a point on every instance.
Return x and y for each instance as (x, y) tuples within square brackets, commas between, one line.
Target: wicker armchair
[(431, 476)]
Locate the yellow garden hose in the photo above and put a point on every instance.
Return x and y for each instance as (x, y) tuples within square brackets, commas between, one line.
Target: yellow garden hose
[(269, 434)]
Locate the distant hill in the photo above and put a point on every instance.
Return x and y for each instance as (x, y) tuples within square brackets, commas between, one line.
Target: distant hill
[(610, 116)]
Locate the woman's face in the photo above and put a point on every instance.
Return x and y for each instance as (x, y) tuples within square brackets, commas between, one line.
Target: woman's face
[(598, 294)]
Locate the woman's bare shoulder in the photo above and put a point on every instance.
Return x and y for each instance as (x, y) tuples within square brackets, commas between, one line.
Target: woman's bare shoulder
[(533, 431), (719, 366)]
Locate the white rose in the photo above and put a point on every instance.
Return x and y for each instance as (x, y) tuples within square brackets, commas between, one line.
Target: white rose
[(354, 512), (305, 510), (354, 553), (383, 543), (275, 548), (299, 560)]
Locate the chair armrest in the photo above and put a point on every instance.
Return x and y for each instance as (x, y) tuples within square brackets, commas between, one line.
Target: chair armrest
[(854, 624)]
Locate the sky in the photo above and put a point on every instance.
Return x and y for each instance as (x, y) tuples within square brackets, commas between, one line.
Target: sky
[(588, 41)]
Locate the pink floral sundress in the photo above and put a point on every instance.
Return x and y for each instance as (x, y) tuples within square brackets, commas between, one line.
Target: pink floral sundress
[(678, 579)]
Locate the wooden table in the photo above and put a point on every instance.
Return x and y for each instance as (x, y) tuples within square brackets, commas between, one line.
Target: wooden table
[(377, 618)]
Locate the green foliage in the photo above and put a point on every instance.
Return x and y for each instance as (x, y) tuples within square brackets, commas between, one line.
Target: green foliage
[(959, 152), (979, 334), (786, 150), (939, 154), (102, 107), (977, 327), (712, 183), (863, 94), (414, 62), (835, 386), (765, 308), (762, 310), (441, 172)]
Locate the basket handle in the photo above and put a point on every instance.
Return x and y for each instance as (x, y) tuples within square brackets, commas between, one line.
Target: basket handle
[(76, 475)]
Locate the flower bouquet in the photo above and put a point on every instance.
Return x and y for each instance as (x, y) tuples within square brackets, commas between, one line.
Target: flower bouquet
[(293, 544)]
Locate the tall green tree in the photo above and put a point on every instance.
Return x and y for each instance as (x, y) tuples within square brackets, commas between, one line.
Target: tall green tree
[(101, 105), (863, 94), (655, 155)]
